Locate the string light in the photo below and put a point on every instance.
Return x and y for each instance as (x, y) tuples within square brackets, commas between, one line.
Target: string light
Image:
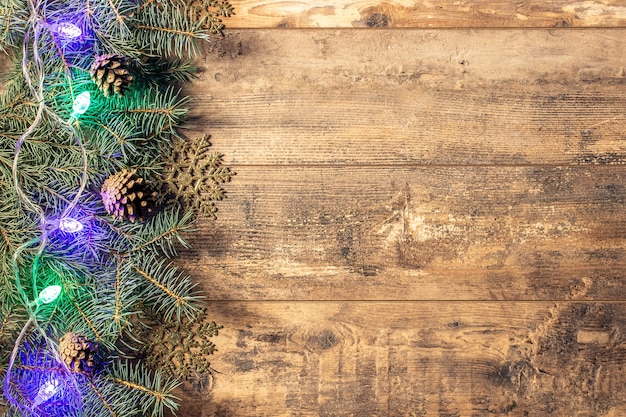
[(46, 391), (69, 225), (68, 31), (81, 103), (49, 294)]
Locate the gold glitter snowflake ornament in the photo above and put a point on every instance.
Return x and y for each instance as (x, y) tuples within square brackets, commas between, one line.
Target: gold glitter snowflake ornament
[(194, 175)]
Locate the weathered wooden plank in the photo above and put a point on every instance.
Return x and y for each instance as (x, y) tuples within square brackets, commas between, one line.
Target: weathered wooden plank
[(399, 13), (415, 233), (415, 359), (415, 97)]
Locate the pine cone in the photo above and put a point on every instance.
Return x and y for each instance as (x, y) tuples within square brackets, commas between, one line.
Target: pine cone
[(78, 352), (127, 196), (111, 73)]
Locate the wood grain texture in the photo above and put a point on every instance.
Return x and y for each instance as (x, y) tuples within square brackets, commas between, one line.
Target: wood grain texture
[(475, 174), (416, 97), (422, 233), (415, 359), (426, 14)]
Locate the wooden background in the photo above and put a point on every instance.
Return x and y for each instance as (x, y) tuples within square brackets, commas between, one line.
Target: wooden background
[(428, 216)]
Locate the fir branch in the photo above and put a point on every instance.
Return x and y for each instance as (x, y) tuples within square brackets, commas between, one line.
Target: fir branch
[(159, 396), (168, 30), (117, 312), (121, 138), (119, 16), (149, 389), (116, 138), (162, 232), (161, 71), (145, 4), (164, 131), (169, 291), (110, 17), (124, 299), (84, 251), (161, 239), (151, 109), (13, 22), (178, 299), (10, 323), (102, 397), (28, 378), (86, 319), (90, 309)]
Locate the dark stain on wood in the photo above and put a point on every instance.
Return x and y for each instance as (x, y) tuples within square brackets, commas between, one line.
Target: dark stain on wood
[(378, 20), (228, 46), (324, 340), (272, 338), (515, 375)]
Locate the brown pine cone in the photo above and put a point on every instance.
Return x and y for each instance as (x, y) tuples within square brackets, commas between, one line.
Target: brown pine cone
[(78, 352), (127, 196), (111, 74)]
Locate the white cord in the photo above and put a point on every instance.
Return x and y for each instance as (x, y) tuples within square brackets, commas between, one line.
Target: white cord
[(35, 21)]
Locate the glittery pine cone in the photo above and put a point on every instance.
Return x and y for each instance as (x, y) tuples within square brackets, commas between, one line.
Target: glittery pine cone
[(111, 74), (127, 196), (78, 352)]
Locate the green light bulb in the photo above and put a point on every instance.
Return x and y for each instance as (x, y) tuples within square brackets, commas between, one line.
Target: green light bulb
[(81, 103), (49, 294)]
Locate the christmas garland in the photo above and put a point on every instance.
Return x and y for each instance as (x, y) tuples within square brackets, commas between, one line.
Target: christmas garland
[(98, 188)]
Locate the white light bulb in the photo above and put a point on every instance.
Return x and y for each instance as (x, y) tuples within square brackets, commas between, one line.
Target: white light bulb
[(49, 294), (81, 103), (46, 391), (69, 31), (69, 225)]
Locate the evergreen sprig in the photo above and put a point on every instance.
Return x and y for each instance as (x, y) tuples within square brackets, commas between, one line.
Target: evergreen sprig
[(13, 21), (164, 29), (53, 163), (135, 382)]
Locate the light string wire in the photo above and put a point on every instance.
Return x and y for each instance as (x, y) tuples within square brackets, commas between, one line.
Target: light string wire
[(34, 22)]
